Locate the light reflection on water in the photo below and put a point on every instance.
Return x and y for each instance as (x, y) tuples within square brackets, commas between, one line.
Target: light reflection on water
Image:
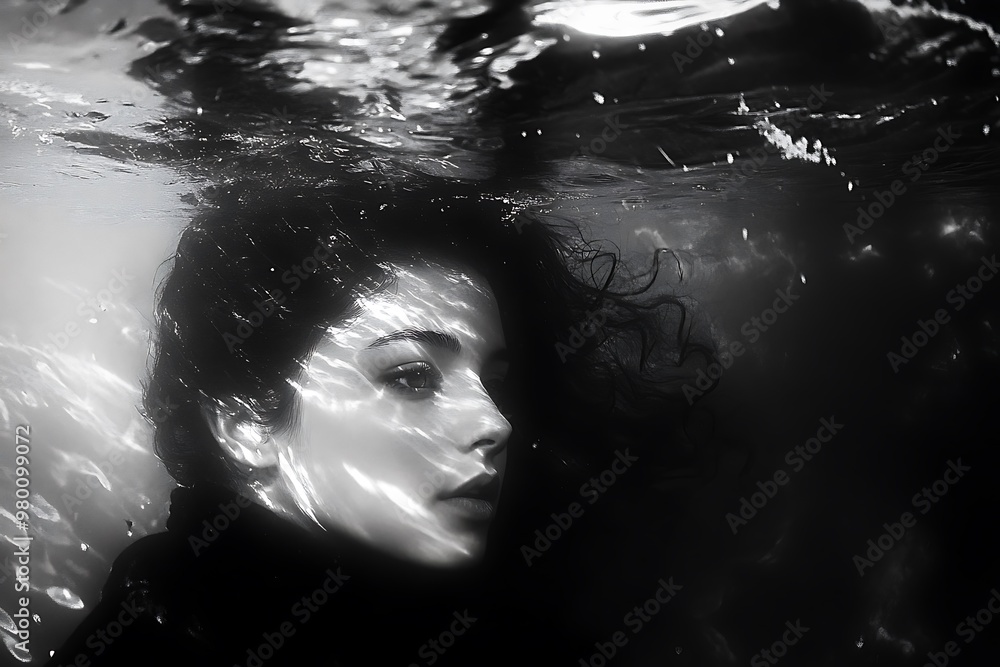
[(90, 183)]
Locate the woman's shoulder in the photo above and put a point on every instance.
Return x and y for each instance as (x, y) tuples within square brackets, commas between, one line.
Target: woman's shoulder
[(152, 608), (133, 621)]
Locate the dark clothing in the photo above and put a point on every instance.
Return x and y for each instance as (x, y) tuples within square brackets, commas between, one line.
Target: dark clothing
[(257, 590)]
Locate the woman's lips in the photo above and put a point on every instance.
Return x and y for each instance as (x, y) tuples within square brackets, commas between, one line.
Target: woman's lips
[(475, 509), (476, 499)]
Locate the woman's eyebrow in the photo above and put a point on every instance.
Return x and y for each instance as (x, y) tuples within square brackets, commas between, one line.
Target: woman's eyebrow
[(436, 338)]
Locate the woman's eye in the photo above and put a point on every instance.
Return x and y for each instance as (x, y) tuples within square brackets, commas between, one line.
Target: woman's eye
[(413, 379)]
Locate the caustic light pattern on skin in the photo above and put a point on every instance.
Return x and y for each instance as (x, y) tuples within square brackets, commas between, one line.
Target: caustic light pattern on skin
[(922, 500), (635, 621), (797, 458)]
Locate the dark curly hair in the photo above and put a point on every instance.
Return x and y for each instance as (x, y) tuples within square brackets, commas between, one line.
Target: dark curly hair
[(597, 353)]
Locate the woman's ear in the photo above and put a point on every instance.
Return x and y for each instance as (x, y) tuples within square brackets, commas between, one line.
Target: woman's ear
[(242, 440)]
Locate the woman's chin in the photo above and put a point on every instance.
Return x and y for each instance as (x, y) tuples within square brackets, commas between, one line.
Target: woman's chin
[(463, 547), (460, 552)]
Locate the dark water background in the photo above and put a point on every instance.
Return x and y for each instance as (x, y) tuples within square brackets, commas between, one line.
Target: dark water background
[(117, 114)]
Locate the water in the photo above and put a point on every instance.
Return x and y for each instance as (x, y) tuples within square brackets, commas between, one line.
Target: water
[(748, 136)]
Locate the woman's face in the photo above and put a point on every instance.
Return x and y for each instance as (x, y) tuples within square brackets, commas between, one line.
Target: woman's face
[(399, 442)]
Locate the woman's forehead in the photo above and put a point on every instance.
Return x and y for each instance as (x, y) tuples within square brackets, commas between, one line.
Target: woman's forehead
[(430, 296)]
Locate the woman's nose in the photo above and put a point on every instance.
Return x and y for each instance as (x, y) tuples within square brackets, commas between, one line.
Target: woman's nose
[(491, 430)]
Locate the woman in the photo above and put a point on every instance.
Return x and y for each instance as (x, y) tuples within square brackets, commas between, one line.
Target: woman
[(366, 395)]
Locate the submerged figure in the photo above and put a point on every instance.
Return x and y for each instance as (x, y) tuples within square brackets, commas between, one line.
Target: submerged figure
[(361, 391)]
